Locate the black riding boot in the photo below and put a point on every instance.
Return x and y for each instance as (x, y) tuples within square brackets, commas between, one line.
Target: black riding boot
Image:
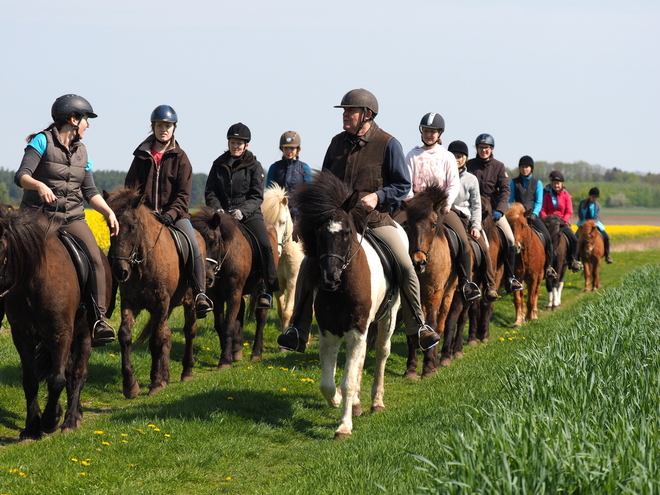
[(511, 284), (469, 289), (606, 243), (550, 272)]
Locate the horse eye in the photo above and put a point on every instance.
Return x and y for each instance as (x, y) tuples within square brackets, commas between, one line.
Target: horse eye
[(434, 226)]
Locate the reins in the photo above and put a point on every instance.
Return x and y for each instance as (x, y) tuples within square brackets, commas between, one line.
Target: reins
[(133, 258)]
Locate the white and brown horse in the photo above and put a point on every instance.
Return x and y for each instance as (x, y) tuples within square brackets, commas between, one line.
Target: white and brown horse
[(350, 287)]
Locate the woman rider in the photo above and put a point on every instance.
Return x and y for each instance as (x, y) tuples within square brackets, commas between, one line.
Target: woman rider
[(236, 185), (56, 175), (528, 191), (289, 172), (161, 170), (557, 201), (589, 209), (431, 163), (468, 203)]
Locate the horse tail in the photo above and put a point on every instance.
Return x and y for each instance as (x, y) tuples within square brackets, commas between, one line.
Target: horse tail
[(43, 362)]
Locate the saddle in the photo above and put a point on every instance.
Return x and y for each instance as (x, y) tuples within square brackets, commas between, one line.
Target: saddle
[(544, 241), (81, 261), (254, 245), (454, 246), (184, 248), (391, 268)]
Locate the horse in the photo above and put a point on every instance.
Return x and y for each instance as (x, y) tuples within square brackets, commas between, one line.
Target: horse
[(145, 263), (555, 284), (50, 329), (350, 286), (529, 263), (431, 258), (591, 249), (275, 209), (481, 311), (236, 272)]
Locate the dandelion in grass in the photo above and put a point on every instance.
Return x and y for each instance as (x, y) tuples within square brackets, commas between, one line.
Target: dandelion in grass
[(151, 426), (84, 463), (156, 429), (506, 333), (502, 339), (105, 443), (284, 369), (283, 389), (245, 344), (124, 434), (13, 470), (98, 432), (83, 474), (230, 398), (22, 474), (124, 441), (73, 459), (228, 478), (168, 435), (112, 355), (141, 431), (270, 367)]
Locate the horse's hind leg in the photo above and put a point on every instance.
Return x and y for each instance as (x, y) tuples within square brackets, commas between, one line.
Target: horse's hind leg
[(77, 376), (56, 382), (383, 347), (160, 345), (130, 386), (258, 346), (190, 332)]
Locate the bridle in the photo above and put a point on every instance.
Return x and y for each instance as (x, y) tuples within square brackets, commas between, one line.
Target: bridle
[(133, 257), (588, 239), (346, 260), (426, 253)]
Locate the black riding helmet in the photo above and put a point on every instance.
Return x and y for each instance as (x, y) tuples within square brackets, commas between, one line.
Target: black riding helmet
[(458, 147), (67, 106), (432, 120), (526, 160), (485, 139), (239, 131), (164, 113)]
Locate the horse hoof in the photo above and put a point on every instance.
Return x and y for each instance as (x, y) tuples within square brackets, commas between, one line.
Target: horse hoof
[(238, 356), (153, 390), (377, 409), (472, 343), (132, 392), (224, 366), (255, 359), (444, 362), (411, 375), (458, 355), (485, 340), (186, 376), (341, 436), (356, 410), (279, 349)]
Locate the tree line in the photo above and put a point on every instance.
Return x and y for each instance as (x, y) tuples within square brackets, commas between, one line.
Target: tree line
[(617, 188)]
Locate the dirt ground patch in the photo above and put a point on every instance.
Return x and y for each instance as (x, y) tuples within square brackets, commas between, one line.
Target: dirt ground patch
[(621, 218)]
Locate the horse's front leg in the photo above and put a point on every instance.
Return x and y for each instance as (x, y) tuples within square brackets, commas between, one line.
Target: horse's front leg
[(328, 351), (190, 332), (56, 381), (383, 347), (160, 345), (227, 330), (587, 275), (533, 299), (130, 386), (596, 275), (26, 351), (519, 303), (356, 348), (258, 345), (77, 376)]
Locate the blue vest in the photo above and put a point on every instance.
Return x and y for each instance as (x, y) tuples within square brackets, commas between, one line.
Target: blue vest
[(523, 195)]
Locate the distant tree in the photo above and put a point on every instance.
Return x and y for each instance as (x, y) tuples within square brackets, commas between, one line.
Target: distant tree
[(617, 201), (4, 194)]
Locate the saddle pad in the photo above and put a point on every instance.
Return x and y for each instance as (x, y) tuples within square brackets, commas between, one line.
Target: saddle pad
[(184, 248), (391, 268)]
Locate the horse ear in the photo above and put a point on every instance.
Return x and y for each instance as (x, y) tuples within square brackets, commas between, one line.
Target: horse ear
[(404, 205), (105, 195), (439, 203), (285, 200), (215, 221), (351, 201)]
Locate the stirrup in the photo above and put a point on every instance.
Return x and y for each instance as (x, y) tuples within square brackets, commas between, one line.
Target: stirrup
[(290, 340), (202, 312), (102, 333), (550, 272), (264, 301), (514, 285), (470, 291), (428, 340)]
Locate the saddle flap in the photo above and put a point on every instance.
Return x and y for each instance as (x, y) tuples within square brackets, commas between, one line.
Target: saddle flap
[(391, 268), (453, 241), (479, 255), (184, 248), (80, 259)]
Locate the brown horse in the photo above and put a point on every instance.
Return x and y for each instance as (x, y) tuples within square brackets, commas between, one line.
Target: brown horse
[(237, 273), (351, 287), (431, 258), (50, 329), (145, 263), (592, 249), (555, 284), (529, 263)]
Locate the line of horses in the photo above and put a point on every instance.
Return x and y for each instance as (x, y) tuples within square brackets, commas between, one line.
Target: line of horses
[(354, 300)]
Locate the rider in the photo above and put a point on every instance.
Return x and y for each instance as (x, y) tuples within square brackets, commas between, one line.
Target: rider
[(589, 209), (468, 203), (528, 191), (162, 171), (557, 201), (494, 185), (371, 161), (56, 175), (432, 163), (289, 172), (236, 185)]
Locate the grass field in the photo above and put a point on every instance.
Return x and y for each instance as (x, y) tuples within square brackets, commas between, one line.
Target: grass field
[(264, 427)]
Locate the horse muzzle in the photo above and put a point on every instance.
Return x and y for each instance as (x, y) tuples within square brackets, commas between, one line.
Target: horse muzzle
[(121, 270)]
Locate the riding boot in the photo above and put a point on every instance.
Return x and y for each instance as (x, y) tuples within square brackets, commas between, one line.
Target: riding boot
[(606, 243), (102, 331), (265, 300), (511, 283), (469, 290), (549, 259), (203, 303), (295, 337)]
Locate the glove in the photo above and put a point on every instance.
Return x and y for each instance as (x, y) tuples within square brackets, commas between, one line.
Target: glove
[(532, 217), (220, 211), (238, 215), (165, 218), (497, 214)]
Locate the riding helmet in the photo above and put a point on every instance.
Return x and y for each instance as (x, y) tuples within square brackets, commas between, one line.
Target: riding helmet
[(594, 191), (458, 147), (526, 160), (290, 138), (360, 98), (239, 131), (164, 113), (432, 120), (556, 175), (68, 105), (485, 139)]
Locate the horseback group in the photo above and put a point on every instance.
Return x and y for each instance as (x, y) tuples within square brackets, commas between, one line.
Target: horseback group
[(359, 266)]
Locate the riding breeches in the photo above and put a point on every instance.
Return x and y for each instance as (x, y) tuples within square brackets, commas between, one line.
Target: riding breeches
[(81, 230), (538, 224), (257, 226), (572, 240), (463, 258), (606, 241), (504, 226), (199, 284)]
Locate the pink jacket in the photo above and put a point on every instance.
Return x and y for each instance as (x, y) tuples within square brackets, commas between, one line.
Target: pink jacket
[(564, 208)]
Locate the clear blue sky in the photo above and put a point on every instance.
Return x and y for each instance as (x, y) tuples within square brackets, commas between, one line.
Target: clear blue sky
[(557, 80)]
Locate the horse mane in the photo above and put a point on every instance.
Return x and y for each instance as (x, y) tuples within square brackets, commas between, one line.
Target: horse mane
[(317, 202), (125, 198), (272, 203), (554, 224), (515, 211), (202, 218), (25, 232), (430, 200)]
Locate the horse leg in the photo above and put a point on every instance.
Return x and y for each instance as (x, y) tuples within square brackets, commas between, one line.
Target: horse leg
[(587, 274), (483, 327), (258, 346), (56, 382), (533, 299), (26, 351), (160, 345), (190, 332), (474, 315), (448, 343), (356, 347), (519, 302), (81, 351), (411, 362), (328, 350), (460, 328), (227, 330), (383, 347), (596, 273), (237, 336), (130, 386)]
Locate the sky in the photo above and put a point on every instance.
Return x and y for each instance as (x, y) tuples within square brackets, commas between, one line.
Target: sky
[(569, 81)]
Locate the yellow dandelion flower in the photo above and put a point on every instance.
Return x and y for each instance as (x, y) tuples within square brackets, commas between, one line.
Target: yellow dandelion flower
[(22, 474), (151, 426), (228, 478), (284, 369), (230, 398), (502, 339), (515, 331), (156, 429), (85, 463), (141, 431), (83, 474), (506, 333), (245, 344), (168, 435), (13, 470), (124, 434), (74, 459), (523, 338), (283, 389), (112, 355), (98, 432), (124, 441), (130, 465), (105, 443), (270, 367)]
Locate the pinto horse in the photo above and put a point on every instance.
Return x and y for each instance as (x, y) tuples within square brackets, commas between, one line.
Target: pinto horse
[(350, 287), (592, 249), (145, 263), (237, 274), (529, 263), (555, 284), (50, 328), (431, 258), (275, 209)]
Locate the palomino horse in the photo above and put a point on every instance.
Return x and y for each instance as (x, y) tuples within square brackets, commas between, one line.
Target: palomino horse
[(41, 295), (555, 284), (145, 263), (350, 287), (529, 264), (237, 274), (592, 250), (432, 261), (275, 209)]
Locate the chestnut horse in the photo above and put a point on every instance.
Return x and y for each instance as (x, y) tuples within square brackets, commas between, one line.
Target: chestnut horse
[(529, 263), (50, 329), (591, 249), (350, 287), (275, 209), (237, 273), (431, 258), (145, 263), (555, 284)]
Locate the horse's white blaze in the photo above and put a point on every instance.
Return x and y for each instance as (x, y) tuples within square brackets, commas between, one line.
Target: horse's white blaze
[(334, 227)]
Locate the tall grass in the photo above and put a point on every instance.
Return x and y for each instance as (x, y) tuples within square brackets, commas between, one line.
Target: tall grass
[(578, 415)]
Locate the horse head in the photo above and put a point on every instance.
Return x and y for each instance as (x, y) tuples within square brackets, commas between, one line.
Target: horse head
[(515, 215), (424, 223), (217, 229), (587, 237), (275, 209)]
